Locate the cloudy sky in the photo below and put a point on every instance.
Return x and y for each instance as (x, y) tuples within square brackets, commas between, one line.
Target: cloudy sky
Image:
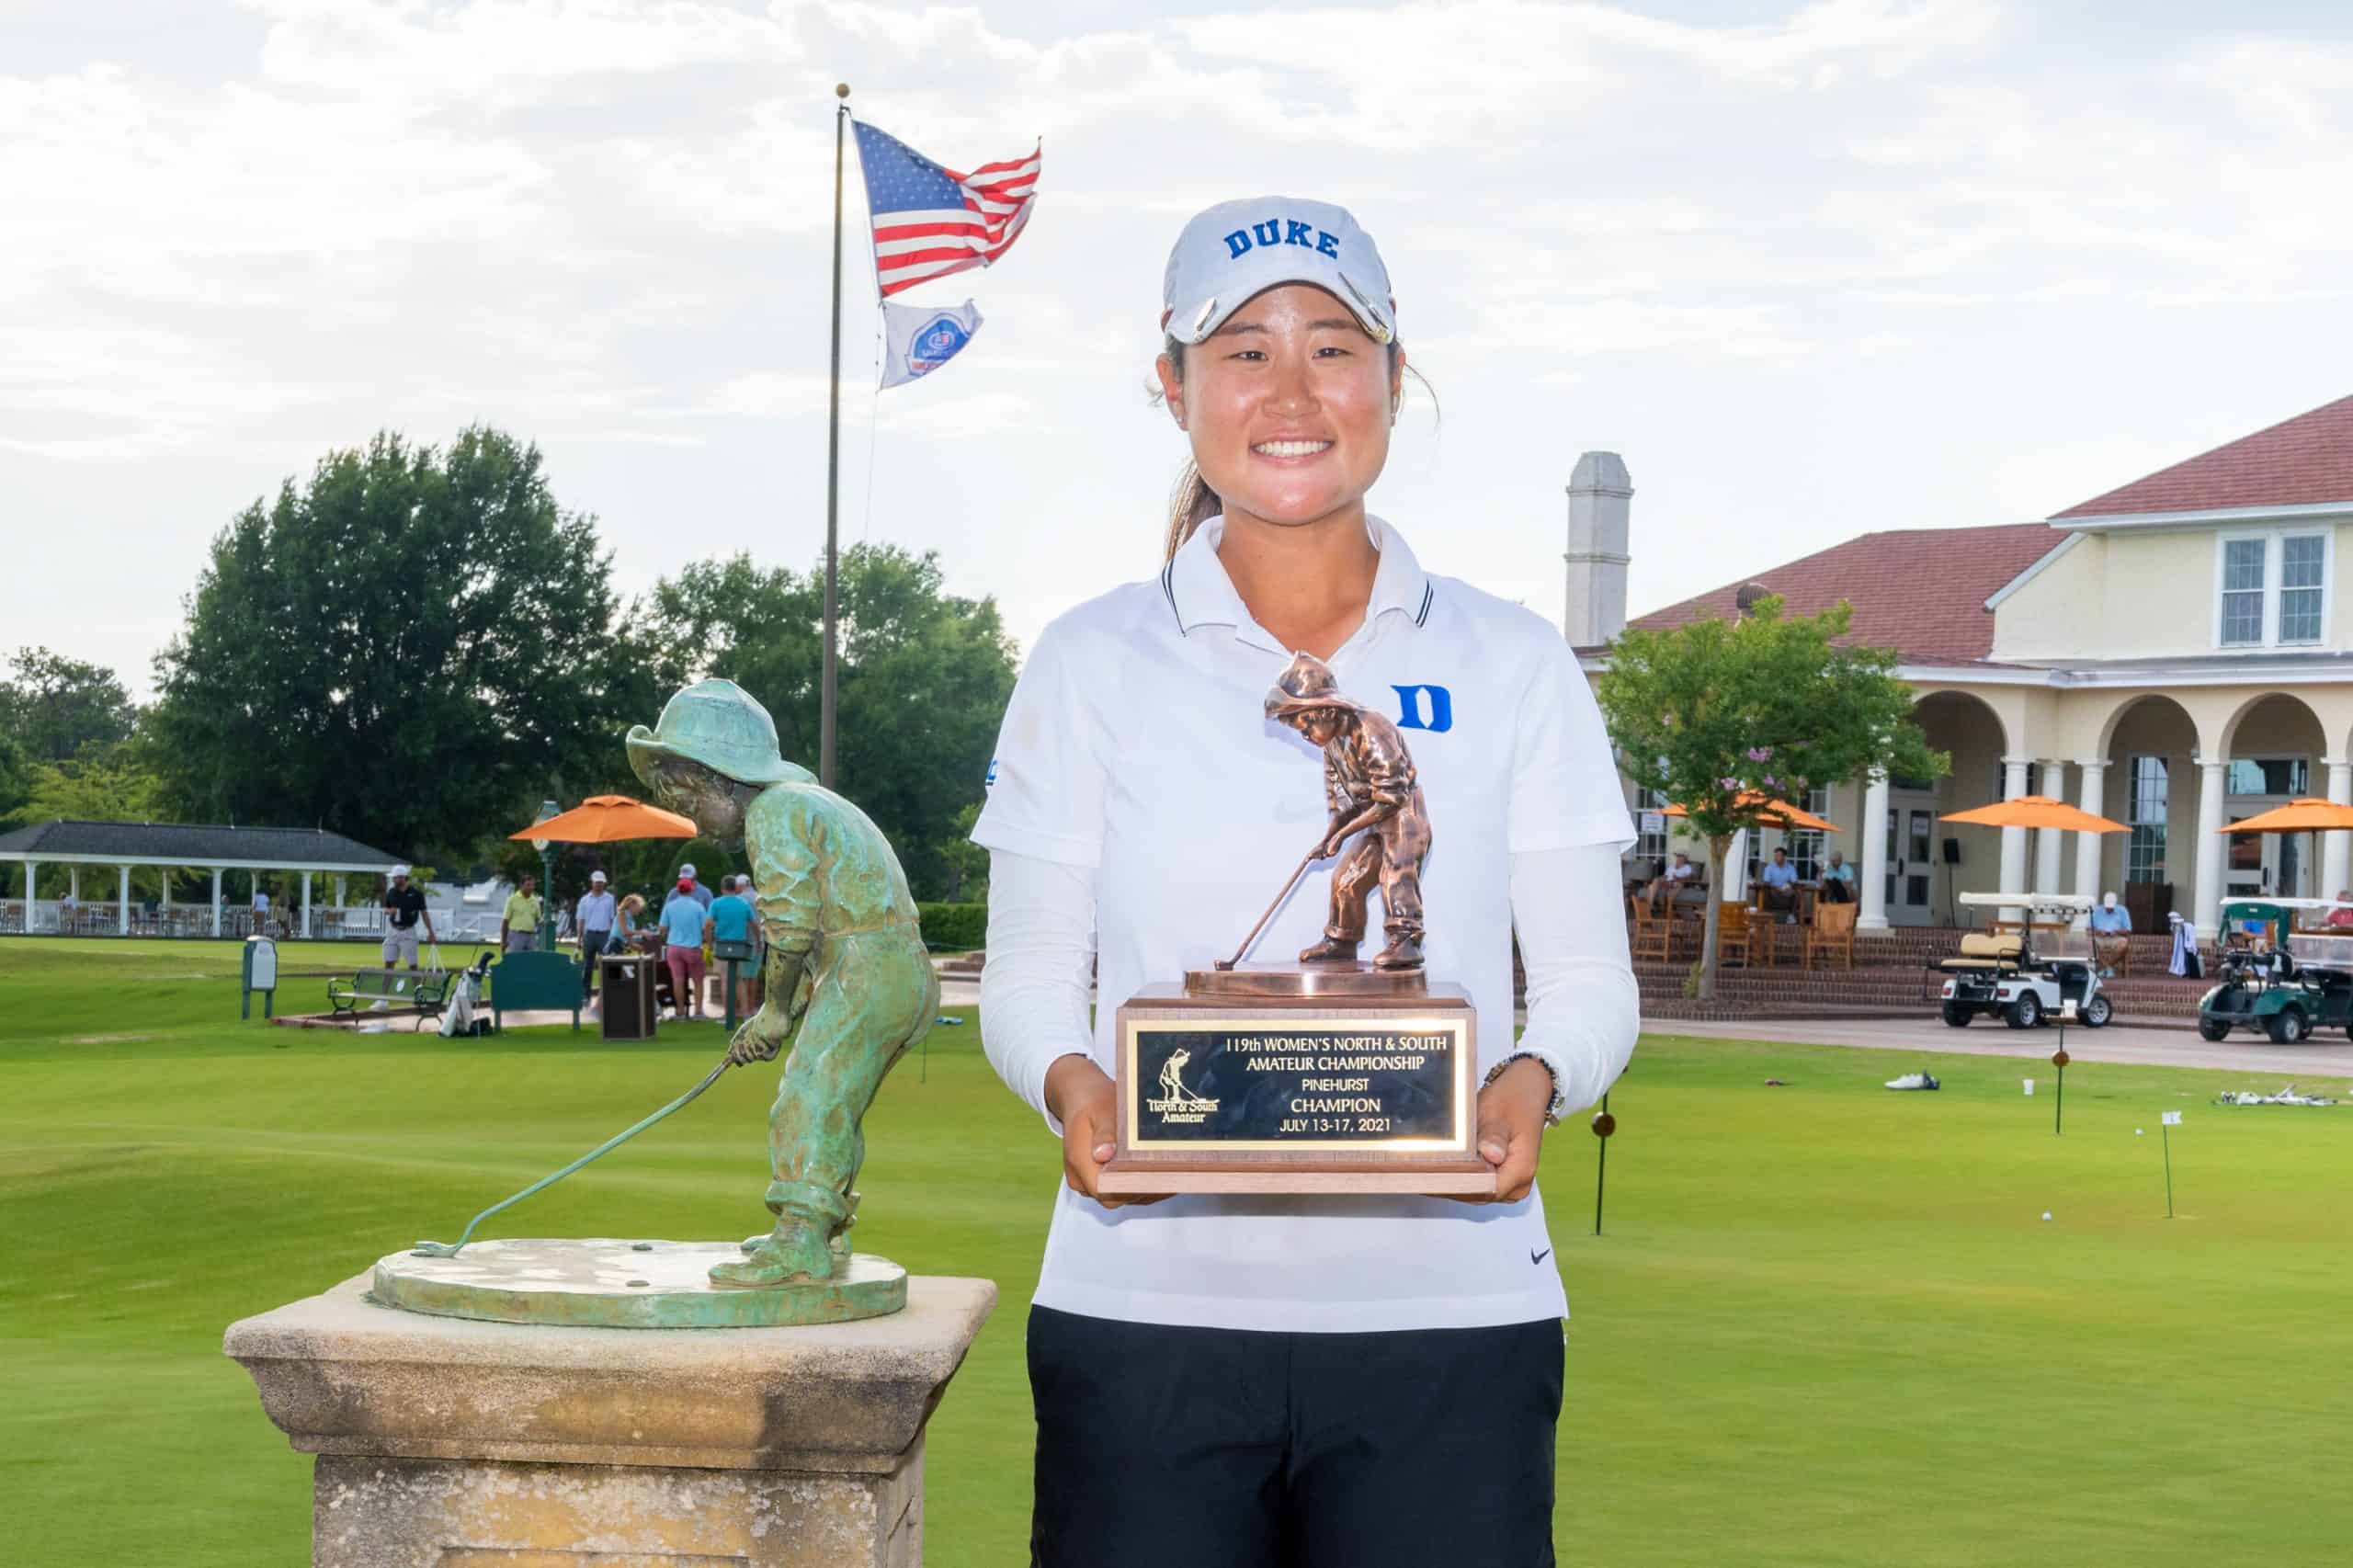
[(1812, 270)]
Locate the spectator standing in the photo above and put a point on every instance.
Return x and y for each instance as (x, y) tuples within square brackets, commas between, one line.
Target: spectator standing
[(594, 920), (2341, 918), (683, 920), (2111, 926), (518, 932), (731, 921), (261, 910), (689, 888), (404, 906)]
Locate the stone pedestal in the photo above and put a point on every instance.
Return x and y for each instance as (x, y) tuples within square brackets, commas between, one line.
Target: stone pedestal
[(449, 1443)]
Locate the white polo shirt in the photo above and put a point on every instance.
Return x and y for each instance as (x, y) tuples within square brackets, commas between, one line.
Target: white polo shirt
[(1136, 745)]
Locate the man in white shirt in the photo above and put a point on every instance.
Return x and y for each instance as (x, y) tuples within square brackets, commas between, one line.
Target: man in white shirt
[(595, 919)]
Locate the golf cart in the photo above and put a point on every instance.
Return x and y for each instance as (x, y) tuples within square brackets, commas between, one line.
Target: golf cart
[(2027, 976), (2277, 980)]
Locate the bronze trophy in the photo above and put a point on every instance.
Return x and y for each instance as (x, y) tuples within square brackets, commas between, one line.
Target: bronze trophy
[(1332, 1074)]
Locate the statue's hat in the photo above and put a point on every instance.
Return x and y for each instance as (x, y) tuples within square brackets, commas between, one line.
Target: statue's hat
[(721, 725), (1306, 685)]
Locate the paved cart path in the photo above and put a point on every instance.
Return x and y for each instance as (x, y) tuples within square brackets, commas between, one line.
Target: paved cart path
[(2320, 1058)]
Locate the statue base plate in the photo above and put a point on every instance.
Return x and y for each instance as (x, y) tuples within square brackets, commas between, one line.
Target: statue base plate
[(608, 1283)]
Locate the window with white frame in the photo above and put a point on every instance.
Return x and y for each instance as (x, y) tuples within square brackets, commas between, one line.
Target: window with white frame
[(1804, 844), (2272, 590), (1650, 849), (2241, 592), (2302, 559), (2145, 851)]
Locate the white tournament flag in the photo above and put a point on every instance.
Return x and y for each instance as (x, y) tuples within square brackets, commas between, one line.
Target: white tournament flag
[(2170, 1118), (918, 340)]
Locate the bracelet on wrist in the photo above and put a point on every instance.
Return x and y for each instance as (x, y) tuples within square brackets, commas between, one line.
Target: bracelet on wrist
[(1553, 1106)]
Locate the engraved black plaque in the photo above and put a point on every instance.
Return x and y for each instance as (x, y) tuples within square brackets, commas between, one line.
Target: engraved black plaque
[(1273, 1084)]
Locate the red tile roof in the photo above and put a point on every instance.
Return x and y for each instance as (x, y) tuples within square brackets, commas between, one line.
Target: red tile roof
[(1920, 591), (2307, 458)]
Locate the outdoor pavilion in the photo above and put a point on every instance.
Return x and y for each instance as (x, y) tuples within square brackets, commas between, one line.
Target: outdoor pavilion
[(180, 846)]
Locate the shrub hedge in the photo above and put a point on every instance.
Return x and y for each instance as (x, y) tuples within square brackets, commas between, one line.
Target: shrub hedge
[(954, 927)]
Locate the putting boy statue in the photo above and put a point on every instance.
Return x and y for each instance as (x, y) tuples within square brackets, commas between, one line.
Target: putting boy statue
[(846, 960)]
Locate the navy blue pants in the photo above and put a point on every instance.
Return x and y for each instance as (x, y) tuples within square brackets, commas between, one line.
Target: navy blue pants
[(1211, 1447)]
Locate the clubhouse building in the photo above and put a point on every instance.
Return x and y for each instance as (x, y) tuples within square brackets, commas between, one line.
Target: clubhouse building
[(2171, 654)]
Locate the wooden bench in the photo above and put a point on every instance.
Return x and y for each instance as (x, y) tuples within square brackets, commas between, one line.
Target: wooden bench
[(418, 992)]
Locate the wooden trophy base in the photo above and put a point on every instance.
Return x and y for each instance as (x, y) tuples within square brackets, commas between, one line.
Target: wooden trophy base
[(1322, 1078)]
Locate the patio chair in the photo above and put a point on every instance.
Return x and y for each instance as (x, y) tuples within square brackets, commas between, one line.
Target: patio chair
[(1736, 934), (1652, 933), (1833, 931)]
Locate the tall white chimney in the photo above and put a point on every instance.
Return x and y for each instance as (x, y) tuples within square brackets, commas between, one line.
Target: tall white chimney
[(1600, 496)]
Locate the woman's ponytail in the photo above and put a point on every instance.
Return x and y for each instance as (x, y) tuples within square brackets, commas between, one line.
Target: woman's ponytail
[(1190, 505)]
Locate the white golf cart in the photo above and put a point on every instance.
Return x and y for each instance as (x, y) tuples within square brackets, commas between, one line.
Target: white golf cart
[(2028, 976)]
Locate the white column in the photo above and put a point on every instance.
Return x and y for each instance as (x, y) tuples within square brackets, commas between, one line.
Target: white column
[(340, 902), (1735, 886), (2013, 838), (306, 906), (32, 884), (1872, 915), (122, 905), (2336, 848), (2208, 896), (74, 884), (2046, 839), (216, 901), (2087, 844)]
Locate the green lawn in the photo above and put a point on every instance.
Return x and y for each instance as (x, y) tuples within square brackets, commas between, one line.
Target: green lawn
[(1826, 1326)]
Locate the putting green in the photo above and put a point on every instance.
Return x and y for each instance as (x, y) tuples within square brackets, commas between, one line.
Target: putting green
[(1827, 1325)]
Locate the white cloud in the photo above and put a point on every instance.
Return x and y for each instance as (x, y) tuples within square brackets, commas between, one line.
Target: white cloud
[(1857, 263)]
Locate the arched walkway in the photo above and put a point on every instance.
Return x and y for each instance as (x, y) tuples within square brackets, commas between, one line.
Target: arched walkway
[(1914, 864)]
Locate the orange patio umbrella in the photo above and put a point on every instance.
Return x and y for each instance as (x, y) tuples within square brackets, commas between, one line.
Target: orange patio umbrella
[(1775, 813), (608, 819), (2307, 815), (2035, 811)]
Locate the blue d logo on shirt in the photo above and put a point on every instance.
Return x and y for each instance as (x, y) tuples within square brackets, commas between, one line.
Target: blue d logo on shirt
[(1427, 708)]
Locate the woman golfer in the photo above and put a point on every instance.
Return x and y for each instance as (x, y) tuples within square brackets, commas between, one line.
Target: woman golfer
[(1352, 1381)]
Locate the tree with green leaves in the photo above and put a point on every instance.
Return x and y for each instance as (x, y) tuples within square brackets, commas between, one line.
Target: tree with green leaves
[(414, 648), (1724, 716), (16, 782), (54, 706), (924, 679)]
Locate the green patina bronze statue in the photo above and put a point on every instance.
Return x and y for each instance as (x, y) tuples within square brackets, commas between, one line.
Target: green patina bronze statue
[(846, 960)]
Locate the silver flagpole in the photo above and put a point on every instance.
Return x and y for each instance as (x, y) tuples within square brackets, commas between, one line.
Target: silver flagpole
[(826, 698)]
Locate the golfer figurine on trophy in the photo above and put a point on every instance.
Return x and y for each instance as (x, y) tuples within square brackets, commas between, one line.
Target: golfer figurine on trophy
[(1331, 1073)]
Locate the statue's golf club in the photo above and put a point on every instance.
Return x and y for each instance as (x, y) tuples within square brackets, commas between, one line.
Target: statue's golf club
[(1237, 958), (450, 1249)]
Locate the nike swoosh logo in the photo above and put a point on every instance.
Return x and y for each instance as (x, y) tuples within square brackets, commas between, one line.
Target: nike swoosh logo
[(1535, 1256)]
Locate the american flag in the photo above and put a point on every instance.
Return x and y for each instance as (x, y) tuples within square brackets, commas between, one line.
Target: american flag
[(930, 220)]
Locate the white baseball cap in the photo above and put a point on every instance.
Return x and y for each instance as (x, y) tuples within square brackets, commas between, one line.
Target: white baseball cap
[(595, 876), (688, 870), (400, 870), (1237, 250)]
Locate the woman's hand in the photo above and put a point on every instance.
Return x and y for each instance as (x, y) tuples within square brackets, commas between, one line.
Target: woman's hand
[(1081, 1097), (1511, 1128)]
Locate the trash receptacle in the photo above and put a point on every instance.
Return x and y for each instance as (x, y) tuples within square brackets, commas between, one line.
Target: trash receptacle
[(630, 1009), (260, 975)]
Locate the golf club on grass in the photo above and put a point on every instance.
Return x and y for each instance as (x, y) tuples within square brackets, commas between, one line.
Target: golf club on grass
[(450, 1249)]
